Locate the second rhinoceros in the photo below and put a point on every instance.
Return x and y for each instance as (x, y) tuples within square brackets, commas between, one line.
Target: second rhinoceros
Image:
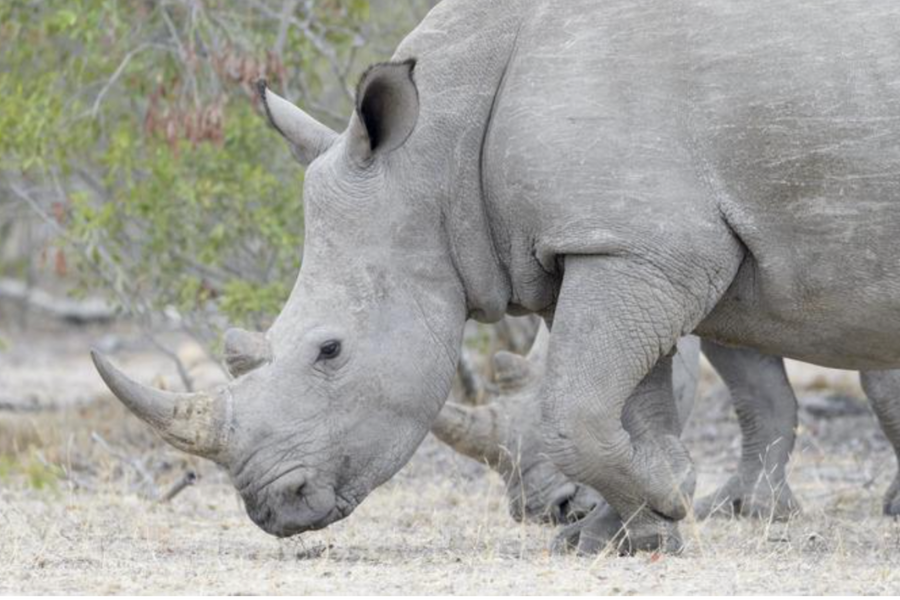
[(504, 432), (631, 171)]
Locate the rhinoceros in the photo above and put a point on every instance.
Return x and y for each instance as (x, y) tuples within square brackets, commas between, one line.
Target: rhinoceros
[(504, 432), (630, 171)]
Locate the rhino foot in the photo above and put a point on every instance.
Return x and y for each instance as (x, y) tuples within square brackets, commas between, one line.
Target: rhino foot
[(589, 535), (892, 498), (734, 499), (603, 528)]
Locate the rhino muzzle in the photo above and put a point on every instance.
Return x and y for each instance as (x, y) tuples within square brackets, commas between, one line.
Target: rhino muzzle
[(197, 423)]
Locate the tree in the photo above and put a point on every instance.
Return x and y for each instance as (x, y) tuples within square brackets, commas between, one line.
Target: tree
[(132, 129)]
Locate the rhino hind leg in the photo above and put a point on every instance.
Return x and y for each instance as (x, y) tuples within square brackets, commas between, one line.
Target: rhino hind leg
[(883, 390), (764, 500), (767, 414), (892, 498)]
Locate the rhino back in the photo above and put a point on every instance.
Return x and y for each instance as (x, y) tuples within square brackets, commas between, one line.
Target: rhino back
[(658, 128)]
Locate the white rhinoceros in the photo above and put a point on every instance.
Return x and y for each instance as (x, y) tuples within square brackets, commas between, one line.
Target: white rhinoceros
[(632, 171)]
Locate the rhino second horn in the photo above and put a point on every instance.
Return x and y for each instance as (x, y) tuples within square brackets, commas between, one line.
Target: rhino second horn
[(475, 431), (245, 351), (197, 423)]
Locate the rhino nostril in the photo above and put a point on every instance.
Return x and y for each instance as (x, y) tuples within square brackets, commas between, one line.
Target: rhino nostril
[(568, 513), (563, 508), (300, 490)]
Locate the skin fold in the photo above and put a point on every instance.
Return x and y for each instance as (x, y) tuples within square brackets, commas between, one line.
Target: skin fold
[(633, 173)]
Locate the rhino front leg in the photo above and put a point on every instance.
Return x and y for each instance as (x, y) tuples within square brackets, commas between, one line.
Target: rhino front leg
[(651, 417), (615, 324), (883, 390), (767, 414)]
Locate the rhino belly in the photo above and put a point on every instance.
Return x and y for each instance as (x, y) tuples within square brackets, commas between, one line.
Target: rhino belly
[(812, 312)]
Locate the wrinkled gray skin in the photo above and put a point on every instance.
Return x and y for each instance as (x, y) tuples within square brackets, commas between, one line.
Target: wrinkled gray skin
[(504, 432), (631, 171)]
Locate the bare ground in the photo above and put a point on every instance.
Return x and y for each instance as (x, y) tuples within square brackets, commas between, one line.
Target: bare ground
[(77, 512)]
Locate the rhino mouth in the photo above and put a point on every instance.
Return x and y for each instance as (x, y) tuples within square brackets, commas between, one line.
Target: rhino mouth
[(285, 521), (280, 531), (294, 502), (571, 506), (571, 511)]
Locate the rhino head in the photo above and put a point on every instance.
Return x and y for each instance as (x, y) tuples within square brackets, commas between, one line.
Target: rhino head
[(505, 433), (340, 391)]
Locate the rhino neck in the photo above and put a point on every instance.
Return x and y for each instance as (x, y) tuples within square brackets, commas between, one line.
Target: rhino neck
[(462, 49)]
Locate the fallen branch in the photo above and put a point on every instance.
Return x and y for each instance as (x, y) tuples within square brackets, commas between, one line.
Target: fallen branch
[(91, 310), (187, 480)]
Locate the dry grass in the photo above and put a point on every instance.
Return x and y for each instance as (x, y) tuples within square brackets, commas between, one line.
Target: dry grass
[(77, 515), (439, 527)]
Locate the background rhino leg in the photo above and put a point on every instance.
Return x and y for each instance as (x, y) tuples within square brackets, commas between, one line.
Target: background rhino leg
[(686, 377), (883, 390), (767, 413), (609, 416)]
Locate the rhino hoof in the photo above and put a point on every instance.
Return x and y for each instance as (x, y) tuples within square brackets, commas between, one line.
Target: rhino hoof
[(892, 499), (734, 500), (566, 540), (603, 529), (591, 534)]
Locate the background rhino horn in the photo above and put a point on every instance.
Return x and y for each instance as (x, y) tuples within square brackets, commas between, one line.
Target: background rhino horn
[(538, 353), (472, 384), (195, 423), (510, 370), (475, 431)]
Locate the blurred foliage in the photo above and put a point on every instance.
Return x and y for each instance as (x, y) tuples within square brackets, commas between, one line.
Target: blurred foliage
[(31, 469), (132, 128)]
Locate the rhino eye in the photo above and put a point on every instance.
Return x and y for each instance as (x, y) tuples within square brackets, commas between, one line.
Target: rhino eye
[(330, 349)]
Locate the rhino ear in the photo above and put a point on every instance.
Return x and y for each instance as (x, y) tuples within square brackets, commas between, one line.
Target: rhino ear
[(387, 109), (308, 138)]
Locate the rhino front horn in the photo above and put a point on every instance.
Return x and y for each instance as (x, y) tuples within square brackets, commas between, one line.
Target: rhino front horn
[(196, 423)]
